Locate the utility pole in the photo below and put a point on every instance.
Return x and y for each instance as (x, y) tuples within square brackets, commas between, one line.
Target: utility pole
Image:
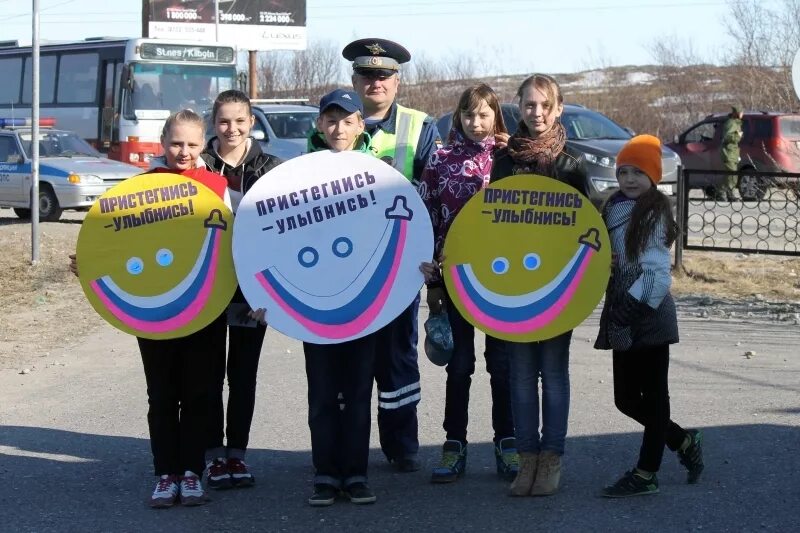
[(35, 137), (253, 81), (146, 19)]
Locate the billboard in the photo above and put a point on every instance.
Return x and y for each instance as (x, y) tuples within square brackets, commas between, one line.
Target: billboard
[(249, 24)]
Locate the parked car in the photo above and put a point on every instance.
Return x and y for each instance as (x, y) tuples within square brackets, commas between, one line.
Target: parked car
[(594, 140), (771, 143), (281, 128), (72, 174)]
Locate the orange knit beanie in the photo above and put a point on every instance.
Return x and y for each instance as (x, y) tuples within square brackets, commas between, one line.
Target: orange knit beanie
[(644, 153)]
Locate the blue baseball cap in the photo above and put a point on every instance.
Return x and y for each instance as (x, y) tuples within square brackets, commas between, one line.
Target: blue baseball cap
[(347, 100)]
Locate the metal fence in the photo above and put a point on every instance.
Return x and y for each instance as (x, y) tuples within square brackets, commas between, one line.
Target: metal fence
[(762, 216)]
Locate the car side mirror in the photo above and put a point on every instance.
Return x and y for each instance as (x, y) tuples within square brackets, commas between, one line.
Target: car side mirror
[(258, 135)]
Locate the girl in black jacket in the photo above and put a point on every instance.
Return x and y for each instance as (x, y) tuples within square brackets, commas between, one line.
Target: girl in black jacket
[(235, 155)]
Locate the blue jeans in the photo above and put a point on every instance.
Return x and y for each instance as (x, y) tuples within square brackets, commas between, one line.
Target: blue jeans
[(549, 360)]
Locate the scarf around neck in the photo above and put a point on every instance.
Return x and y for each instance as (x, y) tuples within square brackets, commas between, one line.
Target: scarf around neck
[(536, 155)]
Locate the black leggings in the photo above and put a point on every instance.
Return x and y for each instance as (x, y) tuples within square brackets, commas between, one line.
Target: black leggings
[(641, 392)]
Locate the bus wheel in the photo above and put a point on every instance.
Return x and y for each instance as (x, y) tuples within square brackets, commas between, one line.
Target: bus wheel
[(49, 210)]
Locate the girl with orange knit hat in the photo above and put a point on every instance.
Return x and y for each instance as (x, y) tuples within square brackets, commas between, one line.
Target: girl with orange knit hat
[(639, 321)]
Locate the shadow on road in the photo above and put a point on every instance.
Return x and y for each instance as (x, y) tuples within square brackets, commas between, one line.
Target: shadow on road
[(56, 480)]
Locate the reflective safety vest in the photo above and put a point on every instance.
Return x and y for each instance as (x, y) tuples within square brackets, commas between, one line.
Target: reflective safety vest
[(401, 145)]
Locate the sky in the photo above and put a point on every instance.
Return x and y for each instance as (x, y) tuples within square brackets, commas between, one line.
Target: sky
[(503, 36)]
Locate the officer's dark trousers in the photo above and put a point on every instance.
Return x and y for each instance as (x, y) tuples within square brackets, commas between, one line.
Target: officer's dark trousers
[(178, 372), (459, 378), (241, 366), (340, 436), (397, 377)]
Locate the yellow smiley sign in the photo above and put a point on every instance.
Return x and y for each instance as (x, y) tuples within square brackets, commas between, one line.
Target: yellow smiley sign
[(527, 259), (154, 256)]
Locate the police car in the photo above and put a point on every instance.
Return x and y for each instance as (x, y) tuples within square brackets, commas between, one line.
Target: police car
[(72, 174)]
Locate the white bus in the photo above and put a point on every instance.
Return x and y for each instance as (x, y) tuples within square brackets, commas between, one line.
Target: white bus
[(116, 93)]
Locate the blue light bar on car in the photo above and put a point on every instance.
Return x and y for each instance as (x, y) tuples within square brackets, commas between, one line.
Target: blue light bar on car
[(26, 122)]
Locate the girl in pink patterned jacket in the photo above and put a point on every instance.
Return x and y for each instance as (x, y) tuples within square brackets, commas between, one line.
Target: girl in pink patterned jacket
[(453, 175)]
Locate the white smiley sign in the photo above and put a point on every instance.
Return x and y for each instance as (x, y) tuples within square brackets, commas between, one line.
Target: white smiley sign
[(330, 245)]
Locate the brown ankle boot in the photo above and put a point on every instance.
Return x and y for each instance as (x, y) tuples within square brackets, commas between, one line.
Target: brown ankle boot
[(521, 486), (548, 475)]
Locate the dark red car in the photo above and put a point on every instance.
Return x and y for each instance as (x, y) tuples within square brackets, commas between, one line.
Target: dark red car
[(771, 143)]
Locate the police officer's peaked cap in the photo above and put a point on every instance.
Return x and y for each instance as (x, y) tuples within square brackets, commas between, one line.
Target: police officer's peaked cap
[(371, 54)]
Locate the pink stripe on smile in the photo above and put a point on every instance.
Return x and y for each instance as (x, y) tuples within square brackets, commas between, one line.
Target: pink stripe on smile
[(526, 326), (358, 324), (179, 320)]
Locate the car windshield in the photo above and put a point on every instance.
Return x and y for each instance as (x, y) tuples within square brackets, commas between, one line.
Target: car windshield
[(294, 125), (58, 144), (585, 124)]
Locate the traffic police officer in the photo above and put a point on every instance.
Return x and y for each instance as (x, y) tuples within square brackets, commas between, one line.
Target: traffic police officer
[(404, 138)]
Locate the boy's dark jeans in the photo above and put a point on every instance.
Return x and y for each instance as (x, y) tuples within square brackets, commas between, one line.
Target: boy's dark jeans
[(241, 366), (641, 392), (177, 372), (459, 378), (340, 437)]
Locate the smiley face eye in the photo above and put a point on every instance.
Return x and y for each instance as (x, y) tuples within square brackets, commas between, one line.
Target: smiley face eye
[(164, 257), (500, 265), (135, 266), (307, 256), (532, 261), (342, 247)]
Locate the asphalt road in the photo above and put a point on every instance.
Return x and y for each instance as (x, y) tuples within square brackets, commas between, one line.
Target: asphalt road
[(74, 454)]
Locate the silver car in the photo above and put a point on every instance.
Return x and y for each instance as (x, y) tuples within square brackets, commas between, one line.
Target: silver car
[(72, 174)]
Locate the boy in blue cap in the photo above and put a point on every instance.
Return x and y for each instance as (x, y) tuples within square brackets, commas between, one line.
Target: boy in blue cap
[(404, 138), (340, 375)]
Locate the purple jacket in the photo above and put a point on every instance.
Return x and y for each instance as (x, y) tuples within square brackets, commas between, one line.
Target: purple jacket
[(454, 174)]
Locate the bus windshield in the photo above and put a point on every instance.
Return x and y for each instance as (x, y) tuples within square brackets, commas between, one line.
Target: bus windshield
[(175, 87)]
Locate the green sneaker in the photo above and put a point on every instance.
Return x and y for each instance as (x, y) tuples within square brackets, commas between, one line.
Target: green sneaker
[(507, 458), (692, 456), (453, 463), (632, 484)]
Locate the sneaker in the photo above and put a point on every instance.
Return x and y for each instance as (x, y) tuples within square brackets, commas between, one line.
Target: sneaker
[(453, 463), (165, 493), (632, 484), (507, 458), (692, 456), (240, 476), (323, 496), (218, 475), (406, 464), (360, 493), (192, 492)]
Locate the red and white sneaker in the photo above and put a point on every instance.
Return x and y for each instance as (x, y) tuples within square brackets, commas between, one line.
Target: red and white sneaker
[(165, 493), (191, 489), (218, 475), (240, 476)]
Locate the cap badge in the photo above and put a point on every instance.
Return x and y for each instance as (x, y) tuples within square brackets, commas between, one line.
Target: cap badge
[(347, 96), (375, 49), (376, 61)]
